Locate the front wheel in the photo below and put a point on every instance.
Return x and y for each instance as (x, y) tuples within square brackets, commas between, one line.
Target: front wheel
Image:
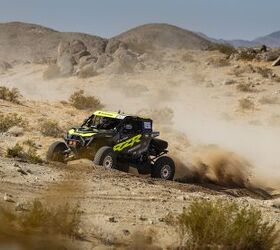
[(56, 151), (164, 168), (105, 156)]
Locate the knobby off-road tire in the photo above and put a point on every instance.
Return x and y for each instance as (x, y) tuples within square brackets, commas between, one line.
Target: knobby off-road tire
[(105, 156), (56, 151), (164, 168)]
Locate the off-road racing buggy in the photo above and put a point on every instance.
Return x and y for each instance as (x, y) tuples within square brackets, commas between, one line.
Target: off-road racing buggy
[(116, 140)]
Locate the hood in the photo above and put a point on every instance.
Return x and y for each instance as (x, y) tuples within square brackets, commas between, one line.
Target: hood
[(87, 132)]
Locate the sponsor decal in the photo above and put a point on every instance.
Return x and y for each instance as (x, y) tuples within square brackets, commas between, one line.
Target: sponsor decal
[(128, 143)]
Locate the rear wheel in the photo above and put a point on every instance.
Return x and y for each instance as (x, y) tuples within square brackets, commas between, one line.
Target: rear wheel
[(164, 168), (56, 151), (105, 156)]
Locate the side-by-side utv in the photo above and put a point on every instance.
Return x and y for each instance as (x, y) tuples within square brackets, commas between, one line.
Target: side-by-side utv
[(116, 140)]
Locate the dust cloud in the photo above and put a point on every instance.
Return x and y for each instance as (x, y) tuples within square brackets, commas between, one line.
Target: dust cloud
[(186, 113)]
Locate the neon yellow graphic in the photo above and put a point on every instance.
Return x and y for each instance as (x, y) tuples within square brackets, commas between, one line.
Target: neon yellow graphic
[(72, 132), (128, 143)]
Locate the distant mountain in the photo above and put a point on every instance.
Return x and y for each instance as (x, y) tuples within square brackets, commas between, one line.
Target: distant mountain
[(271, 40)]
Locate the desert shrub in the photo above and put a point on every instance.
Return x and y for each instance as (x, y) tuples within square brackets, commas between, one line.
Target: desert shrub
[(62, 219), (187, 58), (223, 225), (269, 99), (51, 72), (29, 143), (245, 87), (80, 101), (29, 155), (219, 62), (226, 49), (246, 104), (11, 95), (247, 54), (40, 221), (11, 120), (50, 128), (264, 72)]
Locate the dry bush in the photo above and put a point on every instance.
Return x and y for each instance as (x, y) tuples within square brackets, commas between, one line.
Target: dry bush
[(80, 101), (245, 87), (11, 95), (187, 58), (11, 120), (225, 49), (62, 220), (247, 54), (269, 99), (50, 128), (218, 62), (39, 227), (265, 72), (223, 225), (246, 104), (29, 143), (28, 155), (51, 72)]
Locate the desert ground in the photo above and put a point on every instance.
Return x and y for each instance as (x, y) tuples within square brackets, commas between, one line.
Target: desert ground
[(212, 108)]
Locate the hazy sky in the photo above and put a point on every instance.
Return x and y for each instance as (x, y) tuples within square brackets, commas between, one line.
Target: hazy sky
[(227, 19)]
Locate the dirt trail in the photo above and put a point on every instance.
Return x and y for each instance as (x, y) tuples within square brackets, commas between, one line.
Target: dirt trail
[(114, 203)]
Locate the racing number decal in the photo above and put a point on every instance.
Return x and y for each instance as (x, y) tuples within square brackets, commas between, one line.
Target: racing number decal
[(128, 143)]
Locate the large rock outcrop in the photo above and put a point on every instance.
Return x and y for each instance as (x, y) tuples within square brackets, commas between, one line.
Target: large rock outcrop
[(73, 58)]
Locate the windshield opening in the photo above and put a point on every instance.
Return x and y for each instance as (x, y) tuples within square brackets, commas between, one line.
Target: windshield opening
[(100, 122)]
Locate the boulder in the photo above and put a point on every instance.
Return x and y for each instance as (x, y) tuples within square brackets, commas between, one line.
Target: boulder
[(65, 60), (77, 46), (113, 45)]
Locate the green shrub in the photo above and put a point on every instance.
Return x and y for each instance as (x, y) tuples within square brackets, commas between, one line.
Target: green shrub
[(50, 128), (30, 155), (11, 95), (224, 225), (80, 101), (11, 120)]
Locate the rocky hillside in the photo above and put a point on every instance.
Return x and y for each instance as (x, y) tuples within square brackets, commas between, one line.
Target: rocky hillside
[(30, 42), (35, 43), (150, 36)]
